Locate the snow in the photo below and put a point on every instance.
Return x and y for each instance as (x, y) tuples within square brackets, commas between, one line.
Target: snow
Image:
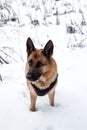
[(70, 107), (70, 110)]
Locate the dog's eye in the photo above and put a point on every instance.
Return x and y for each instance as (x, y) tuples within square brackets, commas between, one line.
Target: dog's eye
[(30, 63), (39, 64)]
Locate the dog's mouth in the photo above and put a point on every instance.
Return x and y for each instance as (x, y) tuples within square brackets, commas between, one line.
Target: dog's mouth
[(33, 76)]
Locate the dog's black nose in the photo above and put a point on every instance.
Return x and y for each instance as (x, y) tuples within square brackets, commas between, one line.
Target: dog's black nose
[(33, 76)]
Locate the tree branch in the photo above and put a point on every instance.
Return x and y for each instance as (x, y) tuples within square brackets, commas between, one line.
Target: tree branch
[(14, 51), (0, 77), (8, 55), (3, 60)]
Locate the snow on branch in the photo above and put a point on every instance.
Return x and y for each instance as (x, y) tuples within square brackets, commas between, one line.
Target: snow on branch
[(2, 60), (0, 77), (9, 56)]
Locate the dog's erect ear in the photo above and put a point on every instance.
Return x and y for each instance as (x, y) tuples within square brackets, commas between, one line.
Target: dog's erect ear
[(48, 49), (30, 46)]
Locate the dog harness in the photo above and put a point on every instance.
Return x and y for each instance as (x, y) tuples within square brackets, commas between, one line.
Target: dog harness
[(42, 92)]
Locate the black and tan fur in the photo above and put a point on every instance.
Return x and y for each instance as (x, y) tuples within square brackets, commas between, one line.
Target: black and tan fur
[(41, 70)]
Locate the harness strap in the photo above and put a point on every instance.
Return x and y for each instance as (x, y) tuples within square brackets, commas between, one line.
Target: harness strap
[(42, 92)]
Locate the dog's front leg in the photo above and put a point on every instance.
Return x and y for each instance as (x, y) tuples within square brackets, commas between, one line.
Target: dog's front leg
[(51, 95), (33, 98)]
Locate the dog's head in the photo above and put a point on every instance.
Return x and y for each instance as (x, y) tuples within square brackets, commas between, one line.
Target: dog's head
[(38, 60)]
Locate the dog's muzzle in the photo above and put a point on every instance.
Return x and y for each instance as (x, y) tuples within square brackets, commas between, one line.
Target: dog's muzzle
[(33, 76)]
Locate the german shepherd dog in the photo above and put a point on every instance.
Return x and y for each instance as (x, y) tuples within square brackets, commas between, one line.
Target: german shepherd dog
[(41, 72)]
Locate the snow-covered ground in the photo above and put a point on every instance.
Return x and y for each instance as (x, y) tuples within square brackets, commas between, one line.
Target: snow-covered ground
[(70, 111)]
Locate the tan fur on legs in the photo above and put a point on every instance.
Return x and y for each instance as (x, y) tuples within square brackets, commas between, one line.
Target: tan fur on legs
[(41, 72), (33, 101), (51, 97)]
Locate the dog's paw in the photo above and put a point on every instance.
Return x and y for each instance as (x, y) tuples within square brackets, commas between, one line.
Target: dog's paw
[(33, 110)]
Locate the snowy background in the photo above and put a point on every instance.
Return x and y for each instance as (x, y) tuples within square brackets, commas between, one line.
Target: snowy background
[(65, 23)]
